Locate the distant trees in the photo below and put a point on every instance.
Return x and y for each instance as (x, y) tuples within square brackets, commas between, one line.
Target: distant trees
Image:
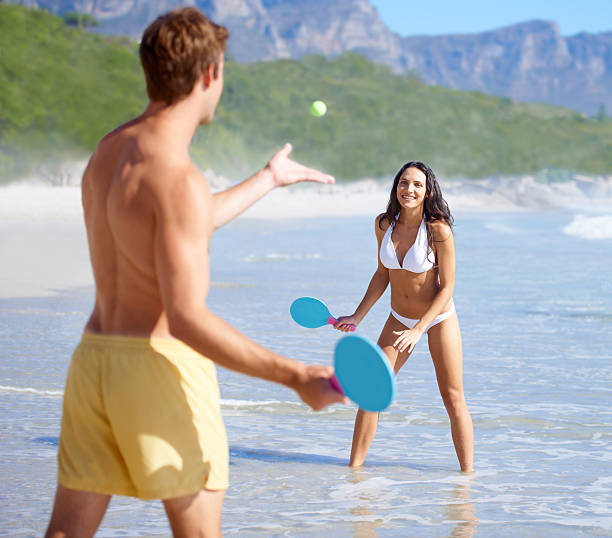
[(601, 113), (79, 20), (374, 120)]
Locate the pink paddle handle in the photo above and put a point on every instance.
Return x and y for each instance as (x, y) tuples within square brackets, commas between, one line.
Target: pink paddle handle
[(332, 321), (333, 381)]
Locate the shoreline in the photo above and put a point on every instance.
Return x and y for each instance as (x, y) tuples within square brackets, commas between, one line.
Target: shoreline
[(57, 196), (44, 247)]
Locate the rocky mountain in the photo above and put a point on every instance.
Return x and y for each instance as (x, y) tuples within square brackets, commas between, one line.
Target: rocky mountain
[(531, 61), (527, 62)]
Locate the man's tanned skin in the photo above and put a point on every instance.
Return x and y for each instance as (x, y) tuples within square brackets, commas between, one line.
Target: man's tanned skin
[(149, 214)]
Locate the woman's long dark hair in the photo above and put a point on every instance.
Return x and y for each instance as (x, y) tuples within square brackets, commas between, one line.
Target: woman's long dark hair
[(435, 207)]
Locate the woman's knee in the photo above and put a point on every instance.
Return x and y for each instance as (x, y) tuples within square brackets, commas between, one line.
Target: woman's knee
[(454, 401)]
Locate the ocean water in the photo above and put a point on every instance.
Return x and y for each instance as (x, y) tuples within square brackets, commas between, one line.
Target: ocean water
[(534, 299)]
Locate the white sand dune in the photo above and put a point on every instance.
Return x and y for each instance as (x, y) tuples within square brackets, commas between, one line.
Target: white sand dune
[(42, 240)]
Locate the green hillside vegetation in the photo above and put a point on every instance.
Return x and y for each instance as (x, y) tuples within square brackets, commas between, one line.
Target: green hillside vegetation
[(62, 88)]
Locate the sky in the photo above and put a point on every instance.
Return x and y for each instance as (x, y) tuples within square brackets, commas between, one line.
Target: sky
[(435, 17)]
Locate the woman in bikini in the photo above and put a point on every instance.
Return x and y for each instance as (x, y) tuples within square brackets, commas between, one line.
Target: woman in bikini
[(416, 229)]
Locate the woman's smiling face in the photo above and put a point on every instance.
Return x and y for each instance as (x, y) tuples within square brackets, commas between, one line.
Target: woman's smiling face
[(412, 188)]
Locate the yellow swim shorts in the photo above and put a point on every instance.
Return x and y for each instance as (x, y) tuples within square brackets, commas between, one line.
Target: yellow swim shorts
[(141, 417)]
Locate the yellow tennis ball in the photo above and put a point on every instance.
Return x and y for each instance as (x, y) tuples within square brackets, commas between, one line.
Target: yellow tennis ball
[(318, 108)]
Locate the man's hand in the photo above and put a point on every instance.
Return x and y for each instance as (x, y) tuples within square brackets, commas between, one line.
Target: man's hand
[(279, 172), (315, 389), (286, 171)]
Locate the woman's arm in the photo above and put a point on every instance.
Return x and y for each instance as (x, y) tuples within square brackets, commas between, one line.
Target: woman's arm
[(377, 286)]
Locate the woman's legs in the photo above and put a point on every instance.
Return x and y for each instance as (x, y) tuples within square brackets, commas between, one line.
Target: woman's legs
[(445, 349), (366, 422)]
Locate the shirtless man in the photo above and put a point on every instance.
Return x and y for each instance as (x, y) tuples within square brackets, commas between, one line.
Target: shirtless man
[(141, 407)]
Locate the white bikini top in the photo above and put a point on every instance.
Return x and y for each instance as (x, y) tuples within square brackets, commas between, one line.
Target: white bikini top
[(416, 259)]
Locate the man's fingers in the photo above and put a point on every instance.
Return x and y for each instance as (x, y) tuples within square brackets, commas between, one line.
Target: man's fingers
[(286, 150), (316, 177), (339, 398)]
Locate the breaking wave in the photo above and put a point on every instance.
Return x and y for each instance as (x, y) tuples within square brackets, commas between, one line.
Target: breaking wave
[(39, 198), (588, 227)]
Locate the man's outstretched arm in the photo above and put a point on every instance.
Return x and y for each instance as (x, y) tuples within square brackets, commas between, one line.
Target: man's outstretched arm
[(279, 172), (182, 231)]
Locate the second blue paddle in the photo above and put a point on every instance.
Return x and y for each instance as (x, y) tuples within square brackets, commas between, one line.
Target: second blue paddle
[(311, 312), (362, 372)]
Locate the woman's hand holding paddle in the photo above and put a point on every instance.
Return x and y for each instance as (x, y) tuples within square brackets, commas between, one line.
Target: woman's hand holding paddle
[(346, 323)]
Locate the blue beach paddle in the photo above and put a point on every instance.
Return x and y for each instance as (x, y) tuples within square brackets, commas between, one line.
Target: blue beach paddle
[(363, 373), (312, 313)]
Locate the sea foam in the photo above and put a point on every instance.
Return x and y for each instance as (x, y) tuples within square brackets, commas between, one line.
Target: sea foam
[(30, 390), (588, 227), (228, 403)]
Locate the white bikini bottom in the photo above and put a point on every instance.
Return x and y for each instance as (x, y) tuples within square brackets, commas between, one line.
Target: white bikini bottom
[(410, 323)]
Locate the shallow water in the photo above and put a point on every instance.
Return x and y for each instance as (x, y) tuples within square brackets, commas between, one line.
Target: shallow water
[(534, 299)]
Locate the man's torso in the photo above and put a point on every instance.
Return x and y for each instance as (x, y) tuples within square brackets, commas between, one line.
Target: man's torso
[(132, 172)]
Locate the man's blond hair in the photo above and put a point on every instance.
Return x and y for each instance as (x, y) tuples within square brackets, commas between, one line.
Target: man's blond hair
[(176, 49)]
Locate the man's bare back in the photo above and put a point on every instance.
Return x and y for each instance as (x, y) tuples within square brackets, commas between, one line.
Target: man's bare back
[(126, 186)]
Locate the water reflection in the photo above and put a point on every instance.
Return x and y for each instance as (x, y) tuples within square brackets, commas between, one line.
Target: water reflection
[(461, 510), (365, 520), (372, 499)]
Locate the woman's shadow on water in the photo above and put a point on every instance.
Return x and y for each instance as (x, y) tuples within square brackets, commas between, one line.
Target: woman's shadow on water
[(49, 441), (278, 456)]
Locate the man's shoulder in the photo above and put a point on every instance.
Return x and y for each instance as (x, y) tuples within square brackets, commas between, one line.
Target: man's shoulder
[(110, 138), (170, 173), (176, 185)]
